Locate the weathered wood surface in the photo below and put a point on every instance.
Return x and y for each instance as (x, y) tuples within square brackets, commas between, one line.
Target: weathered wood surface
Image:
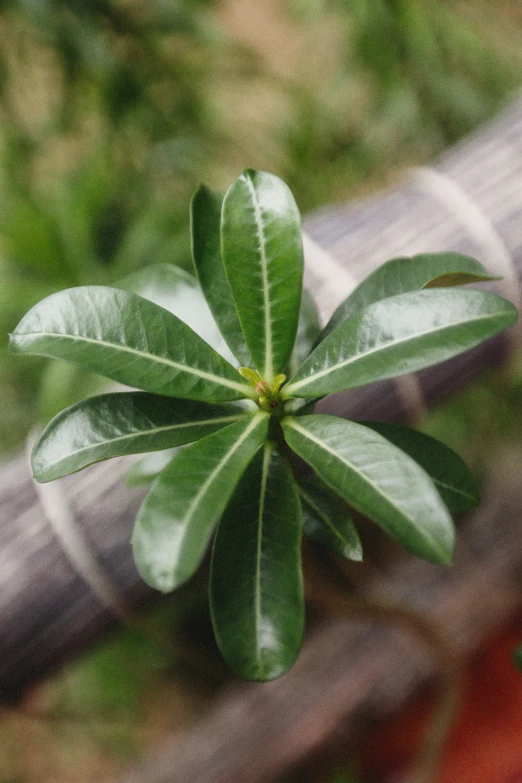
[(47, 611)]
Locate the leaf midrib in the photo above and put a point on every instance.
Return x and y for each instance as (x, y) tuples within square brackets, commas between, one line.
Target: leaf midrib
[(291, 388), (185, 522), (451, 487), (152, 431), (268, 369), (260, 518), (337, 456), (320, 513), (243, 388)]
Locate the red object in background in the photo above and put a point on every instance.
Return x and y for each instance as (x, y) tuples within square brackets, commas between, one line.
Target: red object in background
[(486, 744)]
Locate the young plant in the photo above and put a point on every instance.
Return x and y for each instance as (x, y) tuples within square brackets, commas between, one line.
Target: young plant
[(246, 423)]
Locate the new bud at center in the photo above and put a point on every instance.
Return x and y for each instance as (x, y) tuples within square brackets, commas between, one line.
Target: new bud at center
[(263, 388)]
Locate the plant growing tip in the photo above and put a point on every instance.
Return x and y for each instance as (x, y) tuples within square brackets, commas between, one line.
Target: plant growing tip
[(268, 395), (230, 468)]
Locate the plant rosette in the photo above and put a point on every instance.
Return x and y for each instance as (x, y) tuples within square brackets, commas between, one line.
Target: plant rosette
[(181, 344)]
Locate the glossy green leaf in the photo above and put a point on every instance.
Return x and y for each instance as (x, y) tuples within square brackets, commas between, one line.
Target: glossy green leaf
[(378, 479), (113, 425), (308, 330), (327, 520), (307, 333), (518, 658), (178, 515), (262, 255), (450, 474), (148, 467), (398, 335), (256, 590), (130, 340), (300, 407), (178, 292), (401, 275), (205, 223)]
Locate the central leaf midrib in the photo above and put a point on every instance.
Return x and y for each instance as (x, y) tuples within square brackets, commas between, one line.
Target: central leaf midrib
[(260, 517), (268, 369), (453, 488), (243, 388), (292, 387), (321, 514), (349, 465), (152, 431)]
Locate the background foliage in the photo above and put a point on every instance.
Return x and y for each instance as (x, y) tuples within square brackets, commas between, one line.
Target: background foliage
[(113, 111)]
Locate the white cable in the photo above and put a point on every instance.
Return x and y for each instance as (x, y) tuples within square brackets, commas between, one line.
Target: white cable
[(74, 544), (333, 276), (450, 195)]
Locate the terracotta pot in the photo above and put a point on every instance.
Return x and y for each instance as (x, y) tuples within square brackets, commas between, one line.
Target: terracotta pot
[(486, 744)]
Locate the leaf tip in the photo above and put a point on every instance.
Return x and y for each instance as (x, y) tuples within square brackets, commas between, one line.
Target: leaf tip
[(514, 313), (160, 579), (40, 475), (474, 500), (43, 471), (249, 173), (446, 555), (357, 554), (270, 667), (153, 572), (201, 188), (202, 192), (14, 345), (510, 310)]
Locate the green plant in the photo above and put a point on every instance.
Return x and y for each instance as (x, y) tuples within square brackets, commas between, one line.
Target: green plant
[(246, 428)]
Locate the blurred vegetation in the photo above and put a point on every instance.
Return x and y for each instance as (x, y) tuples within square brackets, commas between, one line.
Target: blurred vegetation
[(113, 111), (421, 75)]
